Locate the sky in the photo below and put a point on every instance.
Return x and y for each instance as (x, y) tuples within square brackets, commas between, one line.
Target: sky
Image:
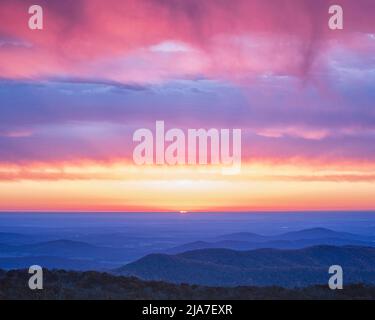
[(72, 94)]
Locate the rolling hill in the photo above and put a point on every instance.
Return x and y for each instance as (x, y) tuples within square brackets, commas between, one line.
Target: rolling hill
[(290, 240), (66, 254), (51, 262), (262, 267)]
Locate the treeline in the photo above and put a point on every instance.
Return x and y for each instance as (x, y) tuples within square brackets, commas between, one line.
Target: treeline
[(60, 284)]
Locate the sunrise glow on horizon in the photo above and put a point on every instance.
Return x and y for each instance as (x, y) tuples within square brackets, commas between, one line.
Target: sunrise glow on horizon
[(72, 95)]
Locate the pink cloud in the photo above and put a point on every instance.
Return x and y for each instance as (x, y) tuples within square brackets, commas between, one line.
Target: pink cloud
[(227, 39)]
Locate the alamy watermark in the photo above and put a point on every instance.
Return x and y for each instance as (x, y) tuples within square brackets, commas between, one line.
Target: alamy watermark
[(335, 19), (36, 280), (192, 147), (36, 19), (335, 282)]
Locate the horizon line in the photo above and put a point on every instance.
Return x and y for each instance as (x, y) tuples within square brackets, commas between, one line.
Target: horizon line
[(188, 212)]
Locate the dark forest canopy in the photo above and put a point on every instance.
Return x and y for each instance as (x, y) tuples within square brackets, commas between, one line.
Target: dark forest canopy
[(61, 284)]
